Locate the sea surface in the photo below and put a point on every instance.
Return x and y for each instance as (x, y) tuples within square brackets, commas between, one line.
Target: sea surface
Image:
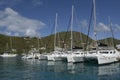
[(21, 69)]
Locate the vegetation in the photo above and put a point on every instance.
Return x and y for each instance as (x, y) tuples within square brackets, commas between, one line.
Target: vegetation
[(23, 44)]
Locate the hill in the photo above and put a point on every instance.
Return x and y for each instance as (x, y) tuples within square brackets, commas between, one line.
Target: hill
[(110, 41), (23, 44), (63, 40), (20, 44)]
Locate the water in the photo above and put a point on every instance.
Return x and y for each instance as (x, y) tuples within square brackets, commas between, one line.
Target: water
[(18, 69)]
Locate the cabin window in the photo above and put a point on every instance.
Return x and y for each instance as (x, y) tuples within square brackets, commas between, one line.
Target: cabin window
[(104, 52), (92, 52), (77, 53), (114, 51), (110, 52)]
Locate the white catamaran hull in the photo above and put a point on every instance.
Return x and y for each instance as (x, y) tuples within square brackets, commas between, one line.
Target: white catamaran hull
[(104, 56), (8, 55), (107, 59), (74, 58)]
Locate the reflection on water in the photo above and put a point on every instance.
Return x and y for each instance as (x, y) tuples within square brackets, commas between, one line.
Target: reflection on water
[(75, 68), (104, 70), (33, 69), (60, 67), (34, 62), (109, 72), (109, 69), (6, 63), (50, 63)]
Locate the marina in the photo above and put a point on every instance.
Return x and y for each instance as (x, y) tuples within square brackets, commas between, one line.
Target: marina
[(102, 53), (34, 69), (85, 45)]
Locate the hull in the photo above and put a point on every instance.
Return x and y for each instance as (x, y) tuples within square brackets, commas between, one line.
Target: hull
[(70, 59), (90, 58), (103, 56), (50, 57), (78, 59), (106, 60), (42, 57), (8, 55), (75, 59), (57, 58)]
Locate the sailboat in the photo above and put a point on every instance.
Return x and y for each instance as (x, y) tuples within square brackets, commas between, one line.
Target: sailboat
[(108, 54), (7, 53), (34, 53), (75, 55), (39, 55), (102, 54), (53, 56), (57, 53)]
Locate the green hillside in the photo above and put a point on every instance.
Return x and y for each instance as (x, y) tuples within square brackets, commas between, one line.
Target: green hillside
[(23, 44), (19, 43), (63, 39), (110, 41)]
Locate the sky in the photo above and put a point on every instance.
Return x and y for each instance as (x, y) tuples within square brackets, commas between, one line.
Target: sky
[(36, 17)]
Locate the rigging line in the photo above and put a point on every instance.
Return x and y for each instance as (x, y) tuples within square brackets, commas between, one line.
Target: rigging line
[(80, 34), (61, 39), (50, 36), (90, 20), (75, 36), (67, 31), (111, 29)]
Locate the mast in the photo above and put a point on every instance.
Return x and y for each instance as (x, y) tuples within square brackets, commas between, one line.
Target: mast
[(55, 30), (94, 22), (38, 42), (10, 43), (7, 47), (72, 27), (81, 39), (59, 39)]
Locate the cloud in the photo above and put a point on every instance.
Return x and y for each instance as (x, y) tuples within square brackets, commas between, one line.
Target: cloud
[(83, 23), (101, 27), (11, 12), (11, 21), (116, 27)]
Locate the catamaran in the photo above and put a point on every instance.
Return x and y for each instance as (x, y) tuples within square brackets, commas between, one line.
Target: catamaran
[(8, 53), (75, 55), (102, 54)]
